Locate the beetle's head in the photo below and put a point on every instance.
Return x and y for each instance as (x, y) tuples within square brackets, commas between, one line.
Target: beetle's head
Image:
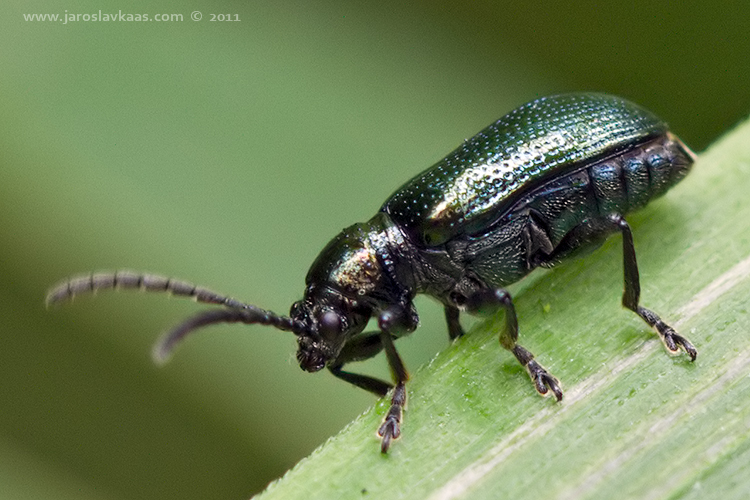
[(341, 288), (329, 319)]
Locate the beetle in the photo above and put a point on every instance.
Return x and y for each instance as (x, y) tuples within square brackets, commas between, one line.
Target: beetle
[(551, 177)]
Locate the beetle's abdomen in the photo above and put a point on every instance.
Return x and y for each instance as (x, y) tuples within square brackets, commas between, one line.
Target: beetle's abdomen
[(627, 182), (576, 206), (547, 138), (570, 211)]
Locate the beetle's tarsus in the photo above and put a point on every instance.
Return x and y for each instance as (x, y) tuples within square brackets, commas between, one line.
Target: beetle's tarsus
[(543, 380), (687, 346), (391, 427), (671, 339), (391, 322), (674, 342), (490, 300), (388, 431)]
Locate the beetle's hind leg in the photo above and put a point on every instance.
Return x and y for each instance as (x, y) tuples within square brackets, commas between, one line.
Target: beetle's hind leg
[(486, 301), (632, 292)]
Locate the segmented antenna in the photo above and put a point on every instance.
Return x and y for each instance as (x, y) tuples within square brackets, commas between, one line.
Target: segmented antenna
[(131, 280), (235, 312), (250, 315)]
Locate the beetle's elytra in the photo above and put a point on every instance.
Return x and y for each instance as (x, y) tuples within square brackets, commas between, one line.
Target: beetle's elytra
[(524, 192)]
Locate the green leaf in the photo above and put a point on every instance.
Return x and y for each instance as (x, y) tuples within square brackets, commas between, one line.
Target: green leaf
[(635, 422)]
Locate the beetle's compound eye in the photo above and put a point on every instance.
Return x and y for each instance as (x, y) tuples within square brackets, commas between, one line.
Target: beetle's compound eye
[(330, 325)]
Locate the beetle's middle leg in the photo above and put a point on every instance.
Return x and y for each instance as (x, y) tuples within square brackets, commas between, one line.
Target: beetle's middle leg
[(632, 293), (486, 301)]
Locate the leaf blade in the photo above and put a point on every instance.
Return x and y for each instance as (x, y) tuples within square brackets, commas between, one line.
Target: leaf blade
[(634, 423)]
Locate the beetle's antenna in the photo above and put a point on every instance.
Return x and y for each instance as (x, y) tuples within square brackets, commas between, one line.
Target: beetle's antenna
[(130, 280), (235, 312), (248, 315)]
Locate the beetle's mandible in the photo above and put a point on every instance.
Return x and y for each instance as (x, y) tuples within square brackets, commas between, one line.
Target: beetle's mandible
[(548, 177)]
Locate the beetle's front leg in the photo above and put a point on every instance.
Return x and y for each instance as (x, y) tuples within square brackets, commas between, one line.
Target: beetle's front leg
[(391, 322), (487, 301), (632, 293), (359, 348)]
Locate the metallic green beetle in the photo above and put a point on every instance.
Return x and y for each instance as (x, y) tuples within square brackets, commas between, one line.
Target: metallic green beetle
[(524, 192)]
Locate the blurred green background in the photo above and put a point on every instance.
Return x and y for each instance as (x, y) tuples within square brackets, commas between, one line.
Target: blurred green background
[(228, 154)]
